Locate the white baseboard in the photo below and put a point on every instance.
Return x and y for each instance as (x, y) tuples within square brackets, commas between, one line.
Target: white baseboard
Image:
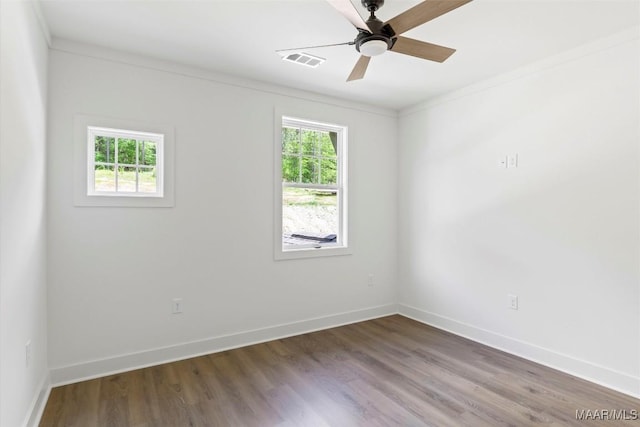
[(607, 377), (38, 404), (126, 362)]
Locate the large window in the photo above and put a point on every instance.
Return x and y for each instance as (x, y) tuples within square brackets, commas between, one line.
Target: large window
[(312, 182), (124, 163)]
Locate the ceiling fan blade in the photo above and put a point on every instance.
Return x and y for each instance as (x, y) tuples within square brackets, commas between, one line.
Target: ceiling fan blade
[(346, 8), (423, 50), (360, 68), (315, 47), (423, 12)]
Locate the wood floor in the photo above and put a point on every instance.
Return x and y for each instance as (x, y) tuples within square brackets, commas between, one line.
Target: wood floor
[(389, 371)]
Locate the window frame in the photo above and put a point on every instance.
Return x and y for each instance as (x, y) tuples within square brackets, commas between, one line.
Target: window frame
[(341, 246), (157, 138), (84, 194)]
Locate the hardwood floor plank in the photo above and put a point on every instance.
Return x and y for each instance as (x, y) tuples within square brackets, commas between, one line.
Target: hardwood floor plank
[(373, 365), (142, 398), (383, 372), (322, 402), (293, 408), (254, 400)]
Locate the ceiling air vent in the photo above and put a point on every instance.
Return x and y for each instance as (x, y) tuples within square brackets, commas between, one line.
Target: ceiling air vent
[(304, 59)]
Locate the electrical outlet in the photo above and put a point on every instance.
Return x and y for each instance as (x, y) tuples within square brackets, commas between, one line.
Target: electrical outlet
[(176, 306), (370, 280), (513, 302), (508, 161), (27, 353)]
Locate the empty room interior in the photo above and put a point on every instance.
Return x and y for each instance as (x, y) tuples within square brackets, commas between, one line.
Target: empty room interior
[(319, 212)]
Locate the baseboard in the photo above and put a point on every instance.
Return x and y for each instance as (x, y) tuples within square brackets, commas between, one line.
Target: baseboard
[(127, 362), (610, 378), (39, 402)]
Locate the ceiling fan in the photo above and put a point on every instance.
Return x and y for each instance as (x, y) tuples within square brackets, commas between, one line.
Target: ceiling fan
[(376, 37)]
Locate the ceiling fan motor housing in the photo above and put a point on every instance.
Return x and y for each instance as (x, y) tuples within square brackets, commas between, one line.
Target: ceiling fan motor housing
[(379, 31)]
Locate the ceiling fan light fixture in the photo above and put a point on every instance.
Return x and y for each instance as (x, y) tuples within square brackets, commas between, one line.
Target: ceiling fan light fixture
[(373, 47)]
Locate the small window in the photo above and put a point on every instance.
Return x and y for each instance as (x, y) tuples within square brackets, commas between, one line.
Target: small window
[(311, 188), (124, 163)]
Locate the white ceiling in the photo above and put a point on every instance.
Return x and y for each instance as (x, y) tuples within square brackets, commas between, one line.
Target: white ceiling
[(239, 37)]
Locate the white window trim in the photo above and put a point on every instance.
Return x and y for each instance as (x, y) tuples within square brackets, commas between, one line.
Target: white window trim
[(341, 247), (83, 161)]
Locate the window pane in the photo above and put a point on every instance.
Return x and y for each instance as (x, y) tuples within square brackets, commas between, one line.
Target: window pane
[(147, 180), (290, 169), (328, 144), (290, 140), (328, 171), (310, 168), (147, 153), (126, 152), (105, 149), (105, 178), (126, 179), (309, 141), (309, 216), (311, 189)]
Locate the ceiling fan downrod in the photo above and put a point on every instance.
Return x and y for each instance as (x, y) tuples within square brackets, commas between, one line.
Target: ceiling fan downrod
[(372, 5)]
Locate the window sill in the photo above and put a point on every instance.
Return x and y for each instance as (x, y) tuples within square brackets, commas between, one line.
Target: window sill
[(282, 255), (123, 201)]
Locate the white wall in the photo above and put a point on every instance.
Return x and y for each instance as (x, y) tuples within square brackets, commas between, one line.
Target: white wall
[(114, 271), (560, 231), (23, 311)]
